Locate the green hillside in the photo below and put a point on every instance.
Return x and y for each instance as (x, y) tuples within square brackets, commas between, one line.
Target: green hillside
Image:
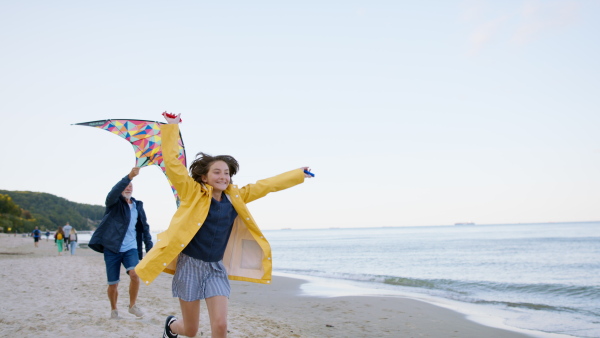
[(23, 210)]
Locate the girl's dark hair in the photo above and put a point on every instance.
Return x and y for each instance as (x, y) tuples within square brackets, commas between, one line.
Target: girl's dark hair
[(203, 161)]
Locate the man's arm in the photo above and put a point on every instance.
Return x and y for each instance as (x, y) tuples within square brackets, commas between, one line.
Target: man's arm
[(148, 240), (115, 192), (146, 235)]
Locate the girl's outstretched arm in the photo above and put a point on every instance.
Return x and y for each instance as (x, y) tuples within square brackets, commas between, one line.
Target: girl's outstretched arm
[(261, 188)]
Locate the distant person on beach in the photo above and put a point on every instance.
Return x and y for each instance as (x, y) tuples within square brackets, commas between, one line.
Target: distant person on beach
[(116, 236), (73, 240), (67, 230), (59, 238), (36, 233), (212, 236), (47, 235)]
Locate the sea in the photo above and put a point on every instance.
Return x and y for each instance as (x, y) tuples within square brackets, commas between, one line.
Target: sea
[(542, 279)]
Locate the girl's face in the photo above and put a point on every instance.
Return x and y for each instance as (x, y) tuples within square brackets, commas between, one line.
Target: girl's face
[(217, 176)]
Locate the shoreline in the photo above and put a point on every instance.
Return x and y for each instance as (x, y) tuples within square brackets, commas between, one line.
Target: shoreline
[(329, 288), (47, 295), (360, 315)]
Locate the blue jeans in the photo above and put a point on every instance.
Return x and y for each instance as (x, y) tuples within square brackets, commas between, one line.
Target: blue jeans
[(73, 245), (113, 262)]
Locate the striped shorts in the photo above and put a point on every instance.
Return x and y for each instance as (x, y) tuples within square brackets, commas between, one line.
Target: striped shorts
[(195, 279)]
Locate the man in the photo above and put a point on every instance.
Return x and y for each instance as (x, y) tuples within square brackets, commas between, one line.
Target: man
[(67, 230), (123, 223), (36, 236)]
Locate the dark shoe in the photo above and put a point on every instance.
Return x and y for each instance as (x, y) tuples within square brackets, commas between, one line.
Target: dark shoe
[(167, 332)]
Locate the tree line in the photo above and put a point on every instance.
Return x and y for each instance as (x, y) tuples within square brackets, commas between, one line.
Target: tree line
[(22, 211)]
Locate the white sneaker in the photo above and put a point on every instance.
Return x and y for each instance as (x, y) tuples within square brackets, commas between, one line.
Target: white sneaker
[(135, 310), (114, 314)]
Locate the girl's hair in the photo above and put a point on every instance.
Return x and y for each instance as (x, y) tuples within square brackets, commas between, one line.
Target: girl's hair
[(203, 161), (60, 229)]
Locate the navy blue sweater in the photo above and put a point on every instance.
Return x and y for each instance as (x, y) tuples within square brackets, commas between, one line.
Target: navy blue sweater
[(111, 231), (210, 241)]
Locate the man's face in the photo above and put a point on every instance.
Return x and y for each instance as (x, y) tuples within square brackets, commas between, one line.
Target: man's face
[(128, 191)]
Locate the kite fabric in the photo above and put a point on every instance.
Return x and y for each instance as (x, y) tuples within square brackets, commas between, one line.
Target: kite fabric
[(145, 138)]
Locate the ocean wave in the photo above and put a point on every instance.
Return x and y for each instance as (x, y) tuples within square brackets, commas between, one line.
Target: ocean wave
[(532, 306), (589, 292), (479, 292)]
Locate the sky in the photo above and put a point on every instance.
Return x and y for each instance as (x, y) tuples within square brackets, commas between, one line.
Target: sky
[(409, 113)]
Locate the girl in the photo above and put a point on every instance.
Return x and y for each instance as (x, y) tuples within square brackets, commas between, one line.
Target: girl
[(60, 239), (212, 236)]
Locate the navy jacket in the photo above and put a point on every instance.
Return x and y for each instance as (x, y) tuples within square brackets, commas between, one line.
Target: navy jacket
[(111, 231)]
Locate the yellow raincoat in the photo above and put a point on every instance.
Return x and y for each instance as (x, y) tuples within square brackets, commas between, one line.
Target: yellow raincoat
[(248, 254)]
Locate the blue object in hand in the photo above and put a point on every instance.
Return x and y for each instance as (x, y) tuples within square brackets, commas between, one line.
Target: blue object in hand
[(308, 172)]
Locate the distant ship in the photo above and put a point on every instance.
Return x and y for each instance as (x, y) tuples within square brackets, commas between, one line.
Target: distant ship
[(465, 223)]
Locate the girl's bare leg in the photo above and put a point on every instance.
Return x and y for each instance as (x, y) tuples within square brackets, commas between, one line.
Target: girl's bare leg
[(190, 319), (217, 312)]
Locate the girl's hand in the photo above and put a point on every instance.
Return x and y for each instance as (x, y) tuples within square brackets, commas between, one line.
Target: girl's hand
[(172, 118), (307, 169)]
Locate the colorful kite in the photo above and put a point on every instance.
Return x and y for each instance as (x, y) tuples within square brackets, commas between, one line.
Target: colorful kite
[(145, 138)]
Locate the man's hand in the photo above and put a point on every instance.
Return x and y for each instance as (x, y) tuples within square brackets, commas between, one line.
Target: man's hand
[(134, 172)]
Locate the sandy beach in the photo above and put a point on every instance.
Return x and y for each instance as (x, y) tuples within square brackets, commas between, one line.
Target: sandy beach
[(46, 295)]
